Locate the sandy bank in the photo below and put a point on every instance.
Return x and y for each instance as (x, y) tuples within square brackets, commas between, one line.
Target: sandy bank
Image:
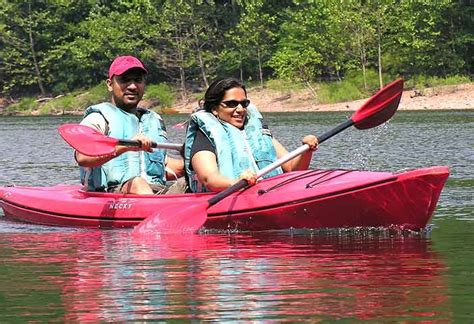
[(443, 97), (451, 97)]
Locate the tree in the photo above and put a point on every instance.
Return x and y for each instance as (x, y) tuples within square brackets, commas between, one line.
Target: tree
[(420, 40), (105, 32), (458, 37), (361, 35), (312, 43), (184, 42), (56, 46), (27, 38), (254, 35)]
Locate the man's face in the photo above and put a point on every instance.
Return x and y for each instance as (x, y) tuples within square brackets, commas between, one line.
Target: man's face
[(127, 89)]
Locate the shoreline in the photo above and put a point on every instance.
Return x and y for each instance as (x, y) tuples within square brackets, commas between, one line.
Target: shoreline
[(452, 97), (448, 97)]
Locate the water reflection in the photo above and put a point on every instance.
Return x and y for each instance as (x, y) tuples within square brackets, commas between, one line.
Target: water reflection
[(111, 276), (50, 274)]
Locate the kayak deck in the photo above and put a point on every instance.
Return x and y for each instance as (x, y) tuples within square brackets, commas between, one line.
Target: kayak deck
[(301, 199)]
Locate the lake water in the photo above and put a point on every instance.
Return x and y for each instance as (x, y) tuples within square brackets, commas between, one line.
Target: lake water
[(79, 275)]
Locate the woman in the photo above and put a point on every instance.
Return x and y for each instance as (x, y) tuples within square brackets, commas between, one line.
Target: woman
[(227, 141)]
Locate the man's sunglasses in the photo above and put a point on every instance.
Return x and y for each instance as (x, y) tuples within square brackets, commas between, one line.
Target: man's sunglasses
[(234, 103)]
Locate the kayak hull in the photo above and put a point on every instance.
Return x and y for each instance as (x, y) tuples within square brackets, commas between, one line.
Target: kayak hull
[(302, 199)]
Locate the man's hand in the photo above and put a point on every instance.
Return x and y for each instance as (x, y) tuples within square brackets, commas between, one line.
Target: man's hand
[(145, 141)]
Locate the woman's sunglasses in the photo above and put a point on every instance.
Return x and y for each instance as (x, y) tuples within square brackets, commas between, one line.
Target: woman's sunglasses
[(234, 103)]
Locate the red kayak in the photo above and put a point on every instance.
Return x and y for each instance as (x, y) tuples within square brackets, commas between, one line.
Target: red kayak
[(301, 199)]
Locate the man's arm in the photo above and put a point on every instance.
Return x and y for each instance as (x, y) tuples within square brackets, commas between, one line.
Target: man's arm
[(98, 122)]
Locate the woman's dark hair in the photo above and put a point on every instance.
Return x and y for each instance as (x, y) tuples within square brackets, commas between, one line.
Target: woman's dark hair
[(216, 92)]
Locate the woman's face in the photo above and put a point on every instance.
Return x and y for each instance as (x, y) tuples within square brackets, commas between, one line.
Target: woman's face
[(226, 110)]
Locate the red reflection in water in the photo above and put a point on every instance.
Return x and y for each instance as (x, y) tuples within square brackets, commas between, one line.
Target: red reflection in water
[(112, 276)]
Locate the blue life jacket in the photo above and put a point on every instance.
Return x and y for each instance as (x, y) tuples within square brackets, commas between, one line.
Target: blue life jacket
[(123, 125), (230, 143)]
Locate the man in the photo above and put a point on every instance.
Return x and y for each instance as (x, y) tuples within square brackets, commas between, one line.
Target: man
[(137, 170)]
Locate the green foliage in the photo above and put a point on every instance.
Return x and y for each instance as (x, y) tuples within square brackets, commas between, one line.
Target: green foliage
[(283, 85), (419, 40), (162, 93), (59, 106), (25, 105), (73, 103), (254, 35), (92, 96), (49, 48), (332, 92), (100, 37), (163, 96), (425, 81), (356, 78), (352, 87), (311, 43), (98, 93)]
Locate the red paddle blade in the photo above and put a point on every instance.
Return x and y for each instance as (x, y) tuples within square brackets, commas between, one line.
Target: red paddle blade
[(87, 140), (181, 125), (380, 107), (174, 219)]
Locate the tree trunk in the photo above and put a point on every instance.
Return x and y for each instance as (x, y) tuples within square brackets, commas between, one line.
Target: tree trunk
[(34, 56), (364, 72), (379, 57), (260, 72), (182, 75), (182, 79), (311, 89), (241, 68), (200, 60), (363, 58)]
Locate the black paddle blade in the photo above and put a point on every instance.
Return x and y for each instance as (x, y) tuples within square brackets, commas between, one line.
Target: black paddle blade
[(380, 107), (87, 140)]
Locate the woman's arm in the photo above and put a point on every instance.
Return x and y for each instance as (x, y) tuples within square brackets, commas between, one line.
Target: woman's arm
[(205, 165), (301, 162), (176, 166)]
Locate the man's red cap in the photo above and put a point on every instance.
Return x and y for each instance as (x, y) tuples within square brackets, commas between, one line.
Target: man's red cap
[(121, 64)]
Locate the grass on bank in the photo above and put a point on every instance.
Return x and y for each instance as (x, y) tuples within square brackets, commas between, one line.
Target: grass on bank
[(162, 96), (353, 87)]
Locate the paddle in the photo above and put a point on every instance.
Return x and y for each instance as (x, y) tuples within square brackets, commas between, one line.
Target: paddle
[(90, 142), (377, 110), (181, 125)]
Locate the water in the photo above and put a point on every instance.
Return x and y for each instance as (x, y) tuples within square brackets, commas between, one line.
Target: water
[(80, 275)]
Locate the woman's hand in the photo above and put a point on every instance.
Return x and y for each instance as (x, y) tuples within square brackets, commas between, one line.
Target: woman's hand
[(249, 176), (312, 142)]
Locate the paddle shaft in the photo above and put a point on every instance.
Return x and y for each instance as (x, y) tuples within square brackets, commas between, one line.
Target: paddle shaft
[(300, 150), (374, 112), (168, 146)]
